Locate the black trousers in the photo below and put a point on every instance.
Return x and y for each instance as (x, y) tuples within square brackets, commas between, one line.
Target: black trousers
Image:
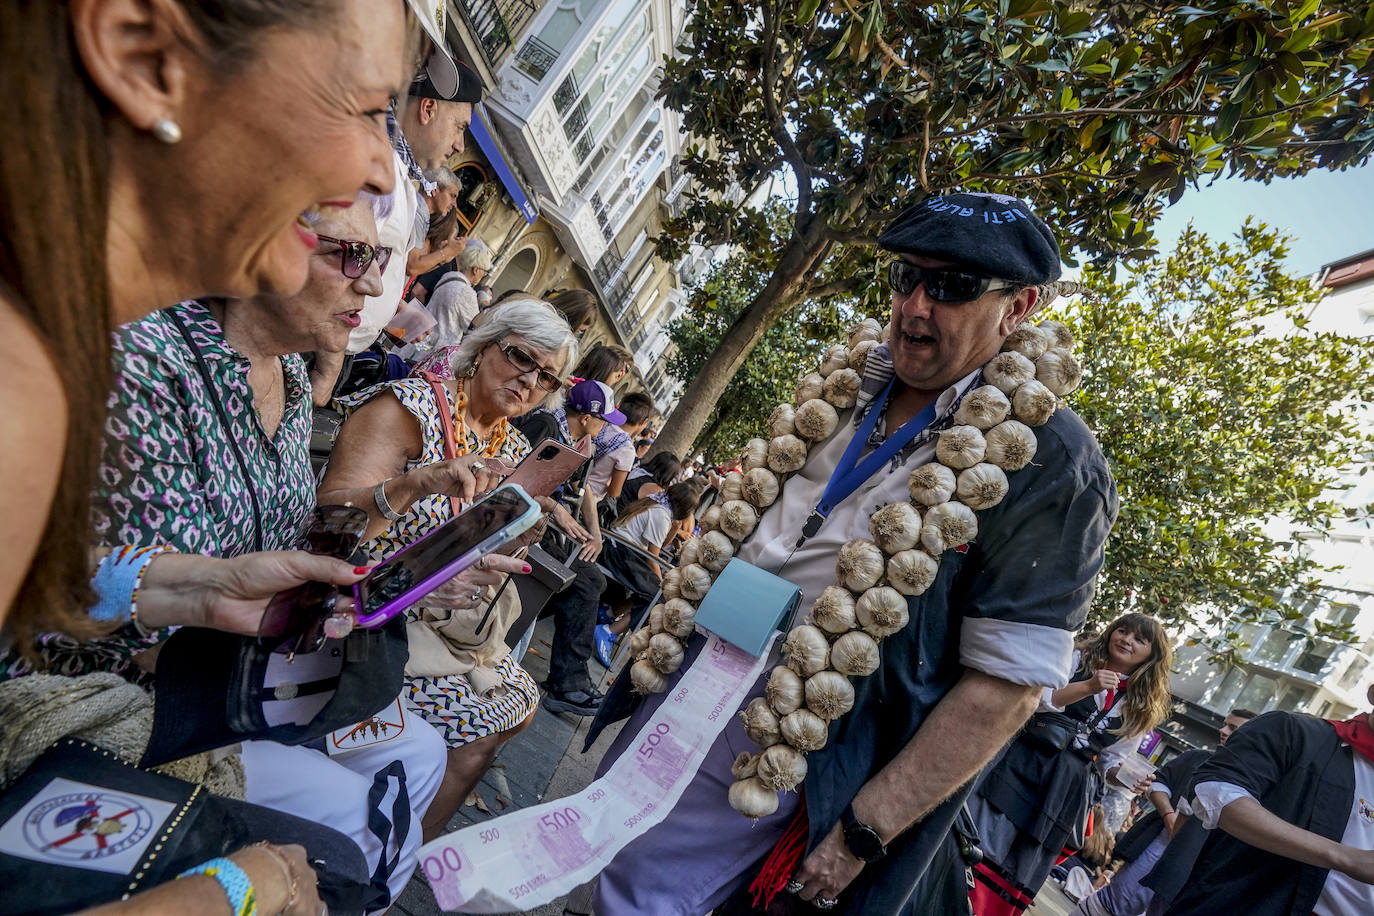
[(574, 620)]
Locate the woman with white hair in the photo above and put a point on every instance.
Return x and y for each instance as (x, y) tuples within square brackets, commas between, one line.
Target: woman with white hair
[(453, 301), (390, 459)]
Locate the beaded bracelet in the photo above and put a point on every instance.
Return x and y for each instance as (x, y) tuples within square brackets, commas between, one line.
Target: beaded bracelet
[(287, 874), (237, 887), (117, 579)]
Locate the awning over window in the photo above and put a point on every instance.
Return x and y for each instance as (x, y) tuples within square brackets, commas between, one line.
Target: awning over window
[(482, 133)]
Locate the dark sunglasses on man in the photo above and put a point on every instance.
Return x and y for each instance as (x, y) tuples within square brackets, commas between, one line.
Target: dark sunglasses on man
[(355, 256), (943, 284), (293, 623)]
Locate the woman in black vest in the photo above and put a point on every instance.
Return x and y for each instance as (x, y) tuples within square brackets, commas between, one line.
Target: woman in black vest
[(1033, 801)]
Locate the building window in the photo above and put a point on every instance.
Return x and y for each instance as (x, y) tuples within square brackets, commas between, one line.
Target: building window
[(1258, 694), (1354, 675), (1314, 656), (601, 83), (476, 188), (1274, 649)]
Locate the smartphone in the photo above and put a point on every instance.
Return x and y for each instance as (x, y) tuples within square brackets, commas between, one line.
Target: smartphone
[(413, 572), (547, 468)]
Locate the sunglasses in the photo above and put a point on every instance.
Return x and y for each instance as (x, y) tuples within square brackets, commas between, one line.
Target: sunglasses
[(943, 284), (521, 360), (355, 257), (293, 623)]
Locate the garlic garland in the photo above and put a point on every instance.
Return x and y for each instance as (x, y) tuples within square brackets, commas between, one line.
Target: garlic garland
[(786, 454), (1058, 371), (806, 650), (895, 527), (785, 690), (855, 654), (665, 653), (755, 455), (881, 611), (829, 694), (1060, 336), (983, 408), (858, 355), (1007, 370), (911, 572), (745, 765), (760, 723), (656, 619), (842, 387), (835, 359), (960, 447), (780, 767), (956, 522), (671, 586), (709, 519), (815, 420), (931, 484), (809, 386), (716, 550), (859, 564), (687, 555), (639, 642), (738, 519), (761, 487), (1011, 445), (981, 486), (781, 422), (731, 486), (833, 611), (696, 582), (752, 798), (867, 330), (679, 618), (646, 678), (803, 729), (1029, 341), (1033, 403)]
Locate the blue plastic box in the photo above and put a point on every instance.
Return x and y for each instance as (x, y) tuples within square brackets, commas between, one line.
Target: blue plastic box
[(746, 604)]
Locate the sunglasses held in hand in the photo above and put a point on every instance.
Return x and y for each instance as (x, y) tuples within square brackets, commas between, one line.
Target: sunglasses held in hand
[(295, 621)]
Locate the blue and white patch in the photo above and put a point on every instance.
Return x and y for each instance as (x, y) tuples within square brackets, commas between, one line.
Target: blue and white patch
[(84, 826)]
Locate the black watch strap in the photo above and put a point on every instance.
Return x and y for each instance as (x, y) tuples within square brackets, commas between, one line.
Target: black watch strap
[(861, 840)]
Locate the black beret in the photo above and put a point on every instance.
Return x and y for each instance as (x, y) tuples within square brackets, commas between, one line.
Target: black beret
[(997, 235)]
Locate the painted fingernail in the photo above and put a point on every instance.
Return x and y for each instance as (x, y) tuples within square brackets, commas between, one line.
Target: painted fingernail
[(361, 570), (526, 568)]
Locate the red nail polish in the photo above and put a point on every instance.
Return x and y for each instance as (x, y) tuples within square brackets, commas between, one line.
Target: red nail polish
[(360, 570), (526, 568)]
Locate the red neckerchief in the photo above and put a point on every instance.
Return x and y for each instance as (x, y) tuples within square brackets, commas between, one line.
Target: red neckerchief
[(1111, 694), (1357, 733)]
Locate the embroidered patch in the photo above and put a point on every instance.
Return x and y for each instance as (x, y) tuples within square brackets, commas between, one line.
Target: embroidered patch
[(1366, 810), (84, 826), (387, 726)]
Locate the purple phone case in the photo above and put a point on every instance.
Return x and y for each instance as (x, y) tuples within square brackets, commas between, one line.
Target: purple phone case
[(505, 535)]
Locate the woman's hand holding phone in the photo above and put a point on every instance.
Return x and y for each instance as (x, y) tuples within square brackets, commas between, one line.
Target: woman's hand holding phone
[(230, 594), (466, 478), (469, 588)]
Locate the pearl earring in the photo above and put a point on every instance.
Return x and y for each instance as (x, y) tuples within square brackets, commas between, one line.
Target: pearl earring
[(167, 130)]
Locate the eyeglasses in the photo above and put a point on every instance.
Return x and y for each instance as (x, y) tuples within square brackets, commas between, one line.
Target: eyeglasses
[(293, 623), (355, 256), (522, 361), (943, 284)]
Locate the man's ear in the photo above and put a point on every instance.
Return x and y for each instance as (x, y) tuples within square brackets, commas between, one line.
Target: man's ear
[(425, 110), (1019, 308), (138, 55)]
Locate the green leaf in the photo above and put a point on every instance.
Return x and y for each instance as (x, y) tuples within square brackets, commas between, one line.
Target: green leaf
[(807, 11)]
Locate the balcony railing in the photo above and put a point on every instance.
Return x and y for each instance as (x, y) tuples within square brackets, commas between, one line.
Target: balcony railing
[(536, 58), (496, 23)]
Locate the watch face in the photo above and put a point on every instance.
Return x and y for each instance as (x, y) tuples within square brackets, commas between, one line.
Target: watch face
[(864, 842)]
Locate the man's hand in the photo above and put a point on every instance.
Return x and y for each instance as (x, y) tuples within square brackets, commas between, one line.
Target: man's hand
[(829, 869), (592, 548)]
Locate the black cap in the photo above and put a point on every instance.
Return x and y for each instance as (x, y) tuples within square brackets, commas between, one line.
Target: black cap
[(997, 235), (468, 86)]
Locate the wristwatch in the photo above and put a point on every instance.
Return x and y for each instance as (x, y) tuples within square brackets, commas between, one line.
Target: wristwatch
[(863, 841)]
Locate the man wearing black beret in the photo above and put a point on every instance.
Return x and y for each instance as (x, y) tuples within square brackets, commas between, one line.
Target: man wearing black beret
[(988, 637)]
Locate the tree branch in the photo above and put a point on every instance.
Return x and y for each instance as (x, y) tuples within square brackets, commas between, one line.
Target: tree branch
[(776, 127), (835, 287), (856, 237)]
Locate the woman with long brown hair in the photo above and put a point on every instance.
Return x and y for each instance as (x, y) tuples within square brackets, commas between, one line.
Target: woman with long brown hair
[(1030, 803)]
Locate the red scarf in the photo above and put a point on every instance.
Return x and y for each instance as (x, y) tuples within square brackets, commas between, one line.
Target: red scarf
[(1357, 733), (1111, 694)]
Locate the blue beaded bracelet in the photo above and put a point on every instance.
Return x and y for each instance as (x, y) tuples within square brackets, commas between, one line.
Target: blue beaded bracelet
[(117, 579), (243, 900)]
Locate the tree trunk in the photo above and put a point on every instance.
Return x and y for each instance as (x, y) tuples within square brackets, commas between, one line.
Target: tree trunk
[(784, 290)]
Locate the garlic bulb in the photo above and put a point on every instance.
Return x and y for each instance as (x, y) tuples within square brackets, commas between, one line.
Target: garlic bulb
[(738, 519), (1058, 371), (1011, 445), (859, 565), (755, 454), (806, 650), (912, 571), (665, 653), (781, 768), (956, 521), (881, 611), (1028, 340), (842, 387), (1033, 403), (982, 486), (752, 798), (1007, 370), (710, 519), (687, 555), (1059, 335), (785, 691), (810, 386), (932, 540), (858, 355), (656, 619), (780, 421), (804, 730), (855, 654), (730, 486), (960, 447), (639, 642), (786, 454), (679, 618), (865, 331), (745, 765), (696, 582), (716, 550), (760, 724), (833, 611), (829, 694), (834, 359), (896, 526), (671, 586), (983, 408), (646, 678), (815, 420), (931, 484), (760, 487)]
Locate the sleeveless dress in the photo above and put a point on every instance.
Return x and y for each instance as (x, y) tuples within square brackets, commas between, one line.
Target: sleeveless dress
[(449, 703)]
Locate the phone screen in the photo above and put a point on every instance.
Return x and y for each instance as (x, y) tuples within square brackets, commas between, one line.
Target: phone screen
[(430, 556)]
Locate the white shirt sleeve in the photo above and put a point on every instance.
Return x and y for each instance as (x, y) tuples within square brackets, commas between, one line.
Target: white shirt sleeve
[(1212, 797), (1047, 697), (1118, 751), (1159, 787)]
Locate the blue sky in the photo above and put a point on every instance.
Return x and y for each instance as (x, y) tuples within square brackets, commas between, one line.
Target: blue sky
[(1330, 213)]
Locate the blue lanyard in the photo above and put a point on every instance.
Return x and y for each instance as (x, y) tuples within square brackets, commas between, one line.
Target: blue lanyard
[(851, 473)]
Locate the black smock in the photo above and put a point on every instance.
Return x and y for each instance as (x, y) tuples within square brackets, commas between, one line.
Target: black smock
[(1177, 774)]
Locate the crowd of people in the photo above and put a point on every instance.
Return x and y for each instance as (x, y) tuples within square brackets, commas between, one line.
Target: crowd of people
[(238, 202)]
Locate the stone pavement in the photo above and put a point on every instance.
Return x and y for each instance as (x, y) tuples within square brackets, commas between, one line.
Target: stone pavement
[(543, 761)]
